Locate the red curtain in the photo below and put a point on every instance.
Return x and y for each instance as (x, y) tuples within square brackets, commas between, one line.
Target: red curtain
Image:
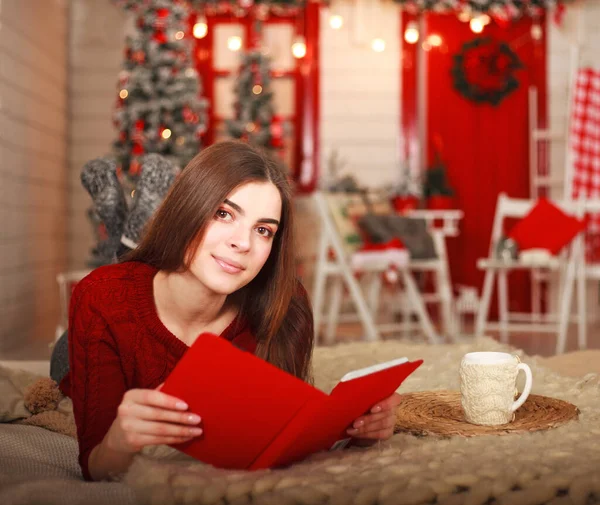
[(484, 147)]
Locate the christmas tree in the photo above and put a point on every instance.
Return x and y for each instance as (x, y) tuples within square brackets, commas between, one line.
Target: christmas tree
[(159, 108), (255, 120)]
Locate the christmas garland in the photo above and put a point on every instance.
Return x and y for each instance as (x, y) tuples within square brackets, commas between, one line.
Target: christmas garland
[(219, 5), (503, 9), (483, 70)]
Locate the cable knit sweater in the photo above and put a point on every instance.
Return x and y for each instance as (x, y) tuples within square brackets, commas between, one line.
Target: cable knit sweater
[(116, 343)]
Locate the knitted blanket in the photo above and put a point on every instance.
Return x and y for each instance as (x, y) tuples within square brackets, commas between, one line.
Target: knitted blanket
[(557, 466)]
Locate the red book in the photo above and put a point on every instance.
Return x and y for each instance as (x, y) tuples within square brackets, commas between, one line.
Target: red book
[(255, 415)]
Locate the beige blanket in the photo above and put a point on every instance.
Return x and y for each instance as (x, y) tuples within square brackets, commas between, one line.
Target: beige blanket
[(557, 466)]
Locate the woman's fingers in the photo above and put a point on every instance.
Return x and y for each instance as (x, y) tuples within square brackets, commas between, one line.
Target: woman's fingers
[(145, 440), (373, 425), (158, 414), (141, 427), (154, 398), (390, 403)]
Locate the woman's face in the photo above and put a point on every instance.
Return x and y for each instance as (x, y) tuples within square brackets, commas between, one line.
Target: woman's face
[(239, 238)]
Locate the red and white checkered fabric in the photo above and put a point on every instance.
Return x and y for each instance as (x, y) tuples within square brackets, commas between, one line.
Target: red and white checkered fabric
[(585, 148)]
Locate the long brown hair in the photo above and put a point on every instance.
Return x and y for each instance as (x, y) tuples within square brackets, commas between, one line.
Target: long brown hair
[(274, 303)]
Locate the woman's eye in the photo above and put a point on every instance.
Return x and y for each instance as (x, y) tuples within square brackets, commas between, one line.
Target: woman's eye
[(223, 214), (265, 232)]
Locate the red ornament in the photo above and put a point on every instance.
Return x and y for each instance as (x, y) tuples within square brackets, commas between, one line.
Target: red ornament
[(137, 149), (134, 166), (162, 13), (559, 14), (140, 124), (139, 56), (160, 37)]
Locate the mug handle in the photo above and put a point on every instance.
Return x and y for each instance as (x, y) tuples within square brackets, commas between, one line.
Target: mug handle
[(526, 389)]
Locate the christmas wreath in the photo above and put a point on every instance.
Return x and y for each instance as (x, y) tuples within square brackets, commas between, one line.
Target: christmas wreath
[(484, 70)]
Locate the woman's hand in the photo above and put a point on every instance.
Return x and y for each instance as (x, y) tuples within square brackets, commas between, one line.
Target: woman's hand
[(150, 417), (378, 424)]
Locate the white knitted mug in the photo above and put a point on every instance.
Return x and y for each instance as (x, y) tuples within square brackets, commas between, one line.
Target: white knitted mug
[(488, 387)]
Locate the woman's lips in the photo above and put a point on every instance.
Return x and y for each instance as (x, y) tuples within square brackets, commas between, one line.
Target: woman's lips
[(231, 267)]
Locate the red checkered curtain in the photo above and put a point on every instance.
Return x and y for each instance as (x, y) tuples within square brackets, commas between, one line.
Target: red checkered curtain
[(585, 150)]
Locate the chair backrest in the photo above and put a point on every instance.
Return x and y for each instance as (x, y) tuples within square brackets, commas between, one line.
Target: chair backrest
[(66, 282), (341, 212), (508, 207)]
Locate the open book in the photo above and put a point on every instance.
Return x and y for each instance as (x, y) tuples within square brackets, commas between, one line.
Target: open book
[(255, 415)]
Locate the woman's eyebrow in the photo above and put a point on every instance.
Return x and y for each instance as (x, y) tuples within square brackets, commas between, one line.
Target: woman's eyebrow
[(237, 208)]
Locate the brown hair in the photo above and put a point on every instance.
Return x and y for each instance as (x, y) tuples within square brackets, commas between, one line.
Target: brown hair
[(274, 304)]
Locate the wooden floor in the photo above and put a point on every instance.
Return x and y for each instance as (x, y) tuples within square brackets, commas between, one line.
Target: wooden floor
[(542, 344)]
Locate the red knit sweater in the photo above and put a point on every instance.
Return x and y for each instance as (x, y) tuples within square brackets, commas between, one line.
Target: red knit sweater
[(117, 343)]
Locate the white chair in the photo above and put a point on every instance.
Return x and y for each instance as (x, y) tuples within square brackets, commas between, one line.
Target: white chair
[(565, 265), (341, 267), (442, 295), (66, 282)]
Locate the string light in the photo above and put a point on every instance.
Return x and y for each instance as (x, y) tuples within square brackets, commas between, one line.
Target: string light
[(123, 94), (299, 47), (434, 40), (536, 31), (179, 35), (166, 133), (234, 43), (485, 19), (464, 16), (336, 21), (378, 45), (200, 27), (476, 25), (257, 89), (411, 34)]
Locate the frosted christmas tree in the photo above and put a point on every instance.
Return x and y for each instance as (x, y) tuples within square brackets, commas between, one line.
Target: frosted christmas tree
[(255, 120), (159, 108)]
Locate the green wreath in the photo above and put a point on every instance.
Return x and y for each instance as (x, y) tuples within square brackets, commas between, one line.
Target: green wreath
[(484, 70)]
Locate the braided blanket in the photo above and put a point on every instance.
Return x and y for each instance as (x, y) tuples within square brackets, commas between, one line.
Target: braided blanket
[(559, 466)]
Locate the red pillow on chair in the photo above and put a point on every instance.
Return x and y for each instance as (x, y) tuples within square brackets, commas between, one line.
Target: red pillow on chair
[(546, 227)]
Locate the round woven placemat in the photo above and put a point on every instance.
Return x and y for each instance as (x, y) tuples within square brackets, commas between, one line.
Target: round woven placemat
[(440, 413)]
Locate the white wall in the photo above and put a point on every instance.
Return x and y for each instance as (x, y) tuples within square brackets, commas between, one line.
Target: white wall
[(33, 169), (96, 55), (360, 91)]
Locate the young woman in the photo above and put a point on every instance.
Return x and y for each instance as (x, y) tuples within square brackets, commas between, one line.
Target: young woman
[(217, 257)]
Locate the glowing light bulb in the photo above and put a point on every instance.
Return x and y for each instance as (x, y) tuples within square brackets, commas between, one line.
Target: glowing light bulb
[(476, 25), (234, 43), (464, 16), (299, 47), (336, 21), (485, 19), (378, 45), (434, 40), (166, 133), (257, 89), (200, 28), (179, 35), (123, 94), (411, 34), (536, 32)]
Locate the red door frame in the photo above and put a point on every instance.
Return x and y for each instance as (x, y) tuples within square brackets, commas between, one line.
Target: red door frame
[(305, 168)]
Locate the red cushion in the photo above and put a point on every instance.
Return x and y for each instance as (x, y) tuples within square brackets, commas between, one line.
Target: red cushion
[(546, 227)]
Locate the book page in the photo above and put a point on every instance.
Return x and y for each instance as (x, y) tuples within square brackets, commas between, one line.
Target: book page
[(355, 374)]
